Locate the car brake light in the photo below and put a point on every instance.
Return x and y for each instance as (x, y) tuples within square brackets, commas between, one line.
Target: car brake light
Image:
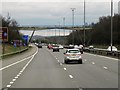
[(79, 54), (67, 54)]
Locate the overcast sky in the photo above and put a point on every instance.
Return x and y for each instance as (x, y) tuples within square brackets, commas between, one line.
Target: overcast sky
[(51, 12)]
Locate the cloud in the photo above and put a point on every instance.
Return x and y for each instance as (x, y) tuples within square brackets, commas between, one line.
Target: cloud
[(58, 0), (50, 13)]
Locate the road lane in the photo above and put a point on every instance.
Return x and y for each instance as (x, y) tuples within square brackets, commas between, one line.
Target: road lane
[(92, 73), (44, 72), (17, 57), (8, 73), (47, 70), (101, 62)]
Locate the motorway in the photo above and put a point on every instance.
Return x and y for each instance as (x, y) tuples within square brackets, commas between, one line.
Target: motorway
[(42, 68)]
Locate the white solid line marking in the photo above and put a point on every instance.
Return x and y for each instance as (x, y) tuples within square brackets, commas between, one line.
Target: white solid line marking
[(60, 63), (23, 69), (11, 82), (65, 69), (104, 57), (14, 80), (15, 63), (19, 61), (105, 67), (93, 62), (70, 76), (8, 86)]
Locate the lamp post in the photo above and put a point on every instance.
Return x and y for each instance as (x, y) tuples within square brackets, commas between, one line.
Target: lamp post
[(73, 22), (59, 27), (111, 24), (64, 25), (84, 23)]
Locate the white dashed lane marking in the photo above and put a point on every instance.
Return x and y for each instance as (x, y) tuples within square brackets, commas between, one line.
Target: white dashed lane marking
[(8, 86), (105, 67), (16, 77), (93, 63), (13, 80), (70, 76), (65, 69), (60, 63)]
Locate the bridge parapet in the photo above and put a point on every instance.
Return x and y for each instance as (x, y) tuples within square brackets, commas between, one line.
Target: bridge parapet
[(45, 28)]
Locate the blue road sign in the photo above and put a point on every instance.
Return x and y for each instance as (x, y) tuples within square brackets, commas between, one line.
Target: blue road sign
[(25, 37)]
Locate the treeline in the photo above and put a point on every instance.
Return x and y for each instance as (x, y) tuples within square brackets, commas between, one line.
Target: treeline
[(13, 33), (100, 34)]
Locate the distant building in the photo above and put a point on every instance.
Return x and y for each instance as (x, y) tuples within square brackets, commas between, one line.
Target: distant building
[(119, 7)]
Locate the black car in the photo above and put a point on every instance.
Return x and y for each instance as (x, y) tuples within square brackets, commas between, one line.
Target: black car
[(39, 45), (55, 48)]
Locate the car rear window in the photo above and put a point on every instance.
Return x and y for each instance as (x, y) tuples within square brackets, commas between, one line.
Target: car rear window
[(73, 51)]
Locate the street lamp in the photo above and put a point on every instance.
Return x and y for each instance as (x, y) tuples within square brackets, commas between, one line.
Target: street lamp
[(73, 21), (64, 25), (59, 27), (111, 24), (84, 23), (73, 16)]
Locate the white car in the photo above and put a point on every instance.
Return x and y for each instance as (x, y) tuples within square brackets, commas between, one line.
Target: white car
[(113, 48), (61, 47), (91, 47), (72, 55), (76, 46), (80, 46)]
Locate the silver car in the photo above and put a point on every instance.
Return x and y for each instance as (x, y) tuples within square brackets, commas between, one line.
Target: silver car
[(72, 55)]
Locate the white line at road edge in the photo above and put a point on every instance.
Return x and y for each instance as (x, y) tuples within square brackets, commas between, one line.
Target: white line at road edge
[(15, 63), (13, 80), (104, 56), (18, 61)]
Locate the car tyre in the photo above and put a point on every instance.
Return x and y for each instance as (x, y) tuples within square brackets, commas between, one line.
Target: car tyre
[(80, 62), (66, 62)]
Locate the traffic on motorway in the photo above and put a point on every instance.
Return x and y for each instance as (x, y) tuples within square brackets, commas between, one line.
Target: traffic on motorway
[(59, 45), (72, 52)]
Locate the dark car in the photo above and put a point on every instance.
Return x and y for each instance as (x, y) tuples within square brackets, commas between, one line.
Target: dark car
[(39, 45), (55, 48)]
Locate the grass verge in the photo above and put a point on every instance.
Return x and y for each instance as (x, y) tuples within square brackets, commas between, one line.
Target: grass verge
[(11, 50)]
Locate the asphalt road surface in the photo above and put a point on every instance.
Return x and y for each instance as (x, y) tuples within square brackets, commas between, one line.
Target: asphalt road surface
[(43, 68)]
